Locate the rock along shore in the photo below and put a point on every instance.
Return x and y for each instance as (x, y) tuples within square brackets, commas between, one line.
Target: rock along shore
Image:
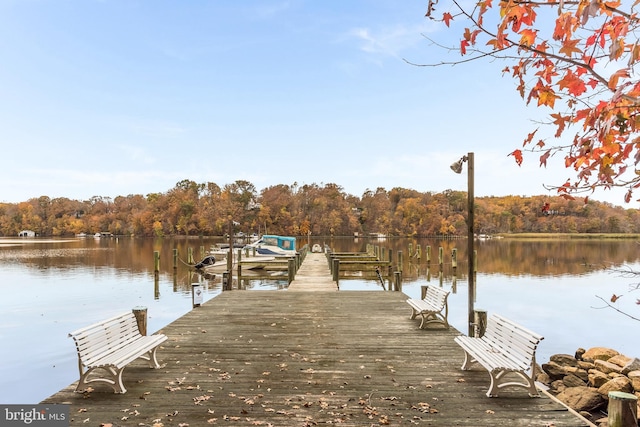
[(583, 381)]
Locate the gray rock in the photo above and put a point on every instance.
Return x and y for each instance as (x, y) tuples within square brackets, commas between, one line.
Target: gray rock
[(634, 376), (555, 371), (580, 373), (572, 380), (634, 365), (585, 365), (564, 360)]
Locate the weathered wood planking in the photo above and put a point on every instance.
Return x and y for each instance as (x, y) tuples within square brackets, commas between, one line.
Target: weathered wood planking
[(285, 358), (313, 275)]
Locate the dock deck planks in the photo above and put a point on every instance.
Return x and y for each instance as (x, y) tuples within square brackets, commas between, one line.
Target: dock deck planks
[(281, 358), (313, 275)]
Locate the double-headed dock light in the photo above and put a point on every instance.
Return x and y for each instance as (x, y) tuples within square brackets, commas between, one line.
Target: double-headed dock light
[(457, 168)]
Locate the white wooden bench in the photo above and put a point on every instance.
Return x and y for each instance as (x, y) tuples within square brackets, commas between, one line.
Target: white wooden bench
[(507, 350), (433, 307), (106, 348)]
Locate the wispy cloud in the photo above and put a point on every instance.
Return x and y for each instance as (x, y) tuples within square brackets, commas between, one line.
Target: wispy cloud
[(389, 41)]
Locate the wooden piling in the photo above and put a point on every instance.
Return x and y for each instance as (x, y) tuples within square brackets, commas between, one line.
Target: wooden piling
[(400, 258), (428, 254), (175, 258), (475, 260), (291, 269), (156, 285), (226, 281), (141, 319), (156, 261), (190, 255), (622, 410), (479, 322), (454, 258), (397, 281), (441, 257), (335, 269)]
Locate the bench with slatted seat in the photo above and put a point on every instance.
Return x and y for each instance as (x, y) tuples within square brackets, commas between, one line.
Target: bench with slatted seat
[(507, 350), (107, 347), (433, 306)]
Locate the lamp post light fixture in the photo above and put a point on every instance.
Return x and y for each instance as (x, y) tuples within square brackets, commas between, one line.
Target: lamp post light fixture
[(457, 168)]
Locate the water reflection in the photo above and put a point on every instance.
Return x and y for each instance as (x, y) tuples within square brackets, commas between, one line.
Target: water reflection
[(51, 287), (510, 257)]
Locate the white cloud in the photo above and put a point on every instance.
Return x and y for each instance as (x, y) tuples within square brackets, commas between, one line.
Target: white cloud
[(389, 41)]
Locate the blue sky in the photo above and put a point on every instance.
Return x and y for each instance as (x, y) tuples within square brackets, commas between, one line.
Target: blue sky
[(108, 98)]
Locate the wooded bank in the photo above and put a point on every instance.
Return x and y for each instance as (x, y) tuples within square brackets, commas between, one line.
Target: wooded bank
[(207, 209)]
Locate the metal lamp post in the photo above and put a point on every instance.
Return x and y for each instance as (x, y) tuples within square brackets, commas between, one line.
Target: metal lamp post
[(457, 168)]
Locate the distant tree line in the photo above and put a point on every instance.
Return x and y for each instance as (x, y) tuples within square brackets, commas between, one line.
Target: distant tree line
[(208, 209)]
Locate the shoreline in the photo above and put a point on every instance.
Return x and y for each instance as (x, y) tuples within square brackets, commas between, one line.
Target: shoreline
[(584, 380), (568, 236)]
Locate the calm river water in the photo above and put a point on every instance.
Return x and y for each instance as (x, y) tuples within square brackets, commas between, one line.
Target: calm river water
[(51, 287)]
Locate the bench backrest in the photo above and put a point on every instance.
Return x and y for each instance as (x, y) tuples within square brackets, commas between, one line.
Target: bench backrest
[(94, 341), (436, 296), (516, 341)]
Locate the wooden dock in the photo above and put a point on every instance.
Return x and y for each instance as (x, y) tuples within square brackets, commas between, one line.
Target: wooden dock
[(283, 358), (313, 275)]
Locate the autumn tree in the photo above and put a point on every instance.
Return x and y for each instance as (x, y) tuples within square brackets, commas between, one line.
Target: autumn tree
[(375, 211), (578, 60)]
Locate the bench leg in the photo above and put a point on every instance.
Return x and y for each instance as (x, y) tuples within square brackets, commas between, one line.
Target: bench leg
[(493, 387), (468, 361), (499, 381), (433, 317), (150, 356), (112, 376), (414, 313)]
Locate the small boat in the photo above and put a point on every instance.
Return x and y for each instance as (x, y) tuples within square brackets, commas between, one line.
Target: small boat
[(206, 261), (218, 263), (272, 245), (316, 248), (211, 264)]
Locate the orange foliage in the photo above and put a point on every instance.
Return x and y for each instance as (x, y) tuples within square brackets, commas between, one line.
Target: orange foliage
[(557, 67), (195, 209)]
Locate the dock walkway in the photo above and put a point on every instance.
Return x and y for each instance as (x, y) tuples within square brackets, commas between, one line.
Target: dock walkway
[(314, 275), (280, 358)]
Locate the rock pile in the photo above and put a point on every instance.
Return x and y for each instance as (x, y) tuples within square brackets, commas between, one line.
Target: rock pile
[(583, 381)]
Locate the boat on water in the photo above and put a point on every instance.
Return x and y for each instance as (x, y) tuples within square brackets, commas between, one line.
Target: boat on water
[(207, 261), (273, 245), (217, 263)]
